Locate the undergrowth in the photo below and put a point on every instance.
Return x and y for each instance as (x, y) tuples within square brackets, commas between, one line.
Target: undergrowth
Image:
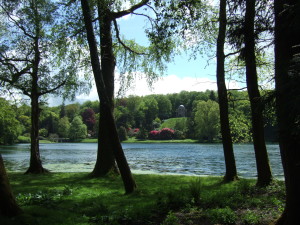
[(75, 198)]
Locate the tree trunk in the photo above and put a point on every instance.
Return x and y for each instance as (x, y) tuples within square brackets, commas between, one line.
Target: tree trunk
[(8, 204), (287, 80), (264, 174), (126, 175), (35, 160), (231, 173), (105, 162)]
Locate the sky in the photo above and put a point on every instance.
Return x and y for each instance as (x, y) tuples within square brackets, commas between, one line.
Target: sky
[(183, 74)]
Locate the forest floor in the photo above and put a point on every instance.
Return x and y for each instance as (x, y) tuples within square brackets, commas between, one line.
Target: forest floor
[(76, 198)]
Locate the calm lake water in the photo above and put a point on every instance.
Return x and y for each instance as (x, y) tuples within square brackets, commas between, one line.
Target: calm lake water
[(187, 159)]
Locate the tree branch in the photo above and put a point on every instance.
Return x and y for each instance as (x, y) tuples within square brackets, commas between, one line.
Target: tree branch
[(53, 89), (122, 43), (148, 17), (232, 53), (17, 24), (120, 14)]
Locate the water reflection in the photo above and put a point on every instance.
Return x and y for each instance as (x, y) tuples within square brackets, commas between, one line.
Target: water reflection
[(188, 159)]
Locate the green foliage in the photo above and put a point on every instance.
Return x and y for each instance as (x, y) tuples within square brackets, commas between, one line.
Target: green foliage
[(224, 216), (49, 120), (164, 106), (78, 130), (131, 112), (142, 134), (75, 198), (195, 188), (251, 218), (10, 127), (175, 123), (171, 219), (63, 129), (23, 139), (47, 199), (43, 132), (207, 120), (122, 134), (149, 107)]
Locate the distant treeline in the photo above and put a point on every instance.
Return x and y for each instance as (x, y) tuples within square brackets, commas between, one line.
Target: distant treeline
[(138, 116)]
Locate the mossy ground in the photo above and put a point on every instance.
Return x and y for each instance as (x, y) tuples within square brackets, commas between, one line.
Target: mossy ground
[(75, 198)]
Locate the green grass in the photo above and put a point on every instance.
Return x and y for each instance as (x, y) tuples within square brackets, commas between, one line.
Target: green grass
[(174, 123), (23, 139), (134, 140), (75, 198), (89, 140)]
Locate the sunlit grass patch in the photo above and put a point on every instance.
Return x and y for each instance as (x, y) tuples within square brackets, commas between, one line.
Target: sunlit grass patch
[(76, 198)]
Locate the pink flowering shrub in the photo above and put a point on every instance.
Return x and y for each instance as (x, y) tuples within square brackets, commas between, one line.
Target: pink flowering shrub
[(154, 135), (164, 134), (132, 132)]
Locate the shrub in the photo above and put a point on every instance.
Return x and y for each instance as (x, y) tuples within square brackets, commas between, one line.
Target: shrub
[(222, 216), (166, 134), (195, 190), (154, 135), (133, 132), (43, 132), (171, 219), (122, 134), (53, 137), (179, 135), (251, 218), (142, 134)]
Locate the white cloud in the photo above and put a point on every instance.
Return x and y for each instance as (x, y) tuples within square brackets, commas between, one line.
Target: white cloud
[(165, 85)]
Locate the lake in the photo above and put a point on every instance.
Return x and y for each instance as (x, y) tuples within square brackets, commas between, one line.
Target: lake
[(163, 158)]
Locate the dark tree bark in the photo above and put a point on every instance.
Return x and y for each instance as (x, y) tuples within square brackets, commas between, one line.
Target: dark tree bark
[(125, 172), (8, 204), (35, 165), (105, 162), (231, 173), (264, 174), (287, 79)]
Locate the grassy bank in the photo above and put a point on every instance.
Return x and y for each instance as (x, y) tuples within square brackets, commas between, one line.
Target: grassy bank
[(134, 140), (74, 198)]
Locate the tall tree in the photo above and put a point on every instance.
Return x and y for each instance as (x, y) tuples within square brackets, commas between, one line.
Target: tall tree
[(126, 175), (8, 204), (34, 58), (231, 172), (108, 14), (264, 174), (287, 78)]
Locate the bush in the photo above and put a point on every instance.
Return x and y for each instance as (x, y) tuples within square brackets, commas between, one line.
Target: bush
[(133, 132), (166, 134), (142, 134), (43, 132), (154, 135), (179, 135), (23, 139), (53, 137), (122, 133), (195, 190), (171, 219), (222, 216), (251, 218)]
